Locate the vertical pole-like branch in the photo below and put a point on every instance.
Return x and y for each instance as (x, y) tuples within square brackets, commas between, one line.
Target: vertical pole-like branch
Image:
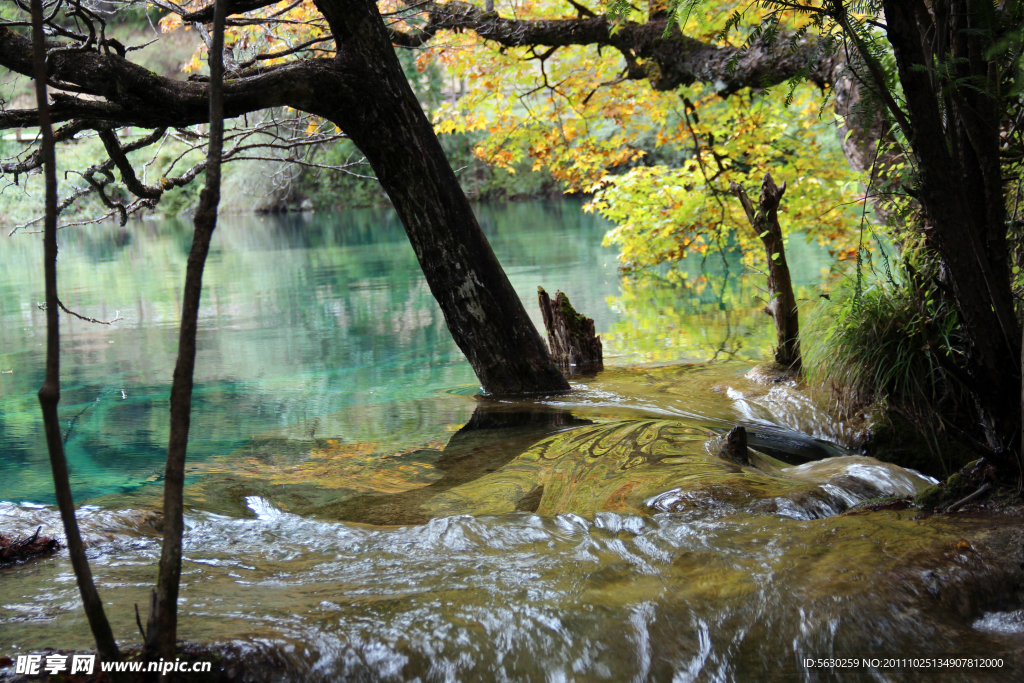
[(782, 302), (49, 394), (162, 629)]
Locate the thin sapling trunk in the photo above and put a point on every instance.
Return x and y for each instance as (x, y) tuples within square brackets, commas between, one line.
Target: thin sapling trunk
[(49, 394), (781, 302), (161, 632)]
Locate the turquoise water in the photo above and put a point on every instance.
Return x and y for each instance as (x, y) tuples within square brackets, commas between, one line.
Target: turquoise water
[(302, 316), (306, 315)]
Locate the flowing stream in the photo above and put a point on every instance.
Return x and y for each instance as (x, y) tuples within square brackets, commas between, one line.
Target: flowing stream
[(357, 512)]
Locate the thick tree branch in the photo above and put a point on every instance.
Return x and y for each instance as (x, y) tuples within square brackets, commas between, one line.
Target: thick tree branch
[(132, 95), (136, 96), (128, 177), (668, 62), (205, 15)]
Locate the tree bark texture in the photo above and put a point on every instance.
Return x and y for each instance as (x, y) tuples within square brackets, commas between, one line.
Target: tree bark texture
[(162, 627), (49, 394), (383, 118), (575, 346), (961, 192), (782, 302)]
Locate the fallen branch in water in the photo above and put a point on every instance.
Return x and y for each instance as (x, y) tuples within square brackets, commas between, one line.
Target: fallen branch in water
[(974, 496), (14, 550), (117, 316)]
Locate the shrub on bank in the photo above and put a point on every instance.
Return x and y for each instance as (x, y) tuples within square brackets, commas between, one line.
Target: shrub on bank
[(888, 344)]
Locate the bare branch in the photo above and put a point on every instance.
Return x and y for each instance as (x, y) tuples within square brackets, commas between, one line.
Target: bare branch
[(117, 316)]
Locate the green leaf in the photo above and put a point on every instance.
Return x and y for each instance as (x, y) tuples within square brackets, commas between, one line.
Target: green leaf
[(775, 256), (763, 234)]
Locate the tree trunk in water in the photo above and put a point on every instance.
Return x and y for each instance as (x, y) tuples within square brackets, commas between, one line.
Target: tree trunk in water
[(49, 394), (483, 312), (782, 302), (574, 344), (162, 627)]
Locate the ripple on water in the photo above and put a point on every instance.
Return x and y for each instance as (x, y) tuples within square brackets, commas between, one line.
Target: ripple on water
[(527, 597), (1001, 622)]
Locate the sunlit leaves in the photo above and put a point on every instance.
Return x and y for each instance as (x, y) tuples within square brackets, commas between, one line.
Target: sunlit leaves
[(662, 213), (273, 29), (658, 163)]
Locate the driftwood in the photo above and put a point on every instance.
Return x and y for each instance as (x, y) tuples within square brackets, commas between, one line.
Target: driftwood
[(971, 498), (574, 345), (14, 550), (781, 303)]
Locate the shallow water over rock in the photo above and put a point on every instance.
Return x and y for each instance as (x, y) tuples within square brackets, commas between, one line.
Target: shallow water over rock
[(637, 555), (526, 597)]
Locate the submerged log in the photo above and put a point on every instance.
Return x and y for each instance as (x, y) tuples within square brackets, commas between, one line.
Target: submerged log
[(574, 345)]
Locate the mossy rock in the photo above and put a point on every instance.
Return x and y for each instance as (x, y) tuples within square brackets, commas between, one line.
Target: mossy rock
[(772, 372), (943, 494), (931, 497)]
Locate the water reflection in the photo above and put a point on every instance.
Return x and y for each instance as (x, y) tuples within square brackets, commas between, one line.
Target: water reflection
[(305, 315), (708, 308), (302, 316)]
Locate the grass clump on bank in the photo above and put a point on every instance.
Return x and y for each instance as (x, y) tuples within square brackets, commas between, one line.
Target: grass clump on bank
[(888, 344)]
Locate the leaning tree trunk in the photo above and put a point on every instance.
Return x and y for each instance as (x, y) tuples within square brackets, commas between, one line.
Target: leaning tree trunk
[(162, 627), (384, 119), (781, 302), (49, 394)]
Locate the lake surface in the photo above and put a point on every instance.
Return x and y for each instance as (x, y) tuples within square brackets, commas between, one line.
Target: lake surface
[(304, 316), (357, 512)]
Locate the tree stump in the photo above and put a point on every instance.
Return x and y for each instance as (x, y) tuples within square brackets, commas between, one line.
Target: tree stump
[(574, 345), (733, 447)]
